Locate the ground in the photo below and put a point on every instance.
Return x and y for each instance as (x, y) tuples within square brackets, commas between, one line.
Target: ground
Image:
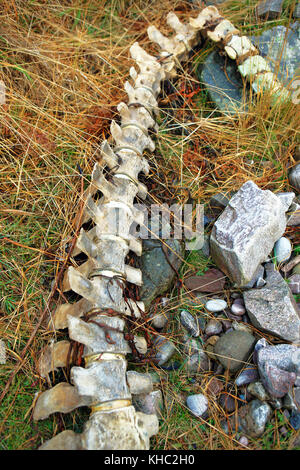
[(64, 65)]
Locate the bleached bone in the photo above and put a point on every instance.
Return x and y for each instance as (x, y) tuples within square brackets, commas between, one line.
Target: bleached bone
[(55, 355), (239, 48)]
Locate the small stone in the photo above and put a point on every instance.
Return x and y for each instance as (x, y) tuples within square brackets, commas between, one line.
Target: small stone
[(294, 283), (288, 401), (190, 323), (191, 345), (214, 387), (197, 363), (234, 348), (213, 327), (140, 344), (294, 177), (283, 431), (244, 441), (228, 403), (209, 346), (149, 403), (259, 274), (248, 375), (270, 9), (159, 320), (164, 349), (215, 305), (282, 249), (238, 309), (257, 390), (198, 405), (295, 419), (254, 417)]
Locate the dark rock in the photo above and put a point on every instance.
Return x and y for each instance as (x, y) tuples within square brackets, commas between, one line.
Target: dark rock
[(261, 343), (189, 323), (164, 349), (248, 375), (228, 403), (257, 390), (158, 275), (214, 387), (295, 419), (269, 9), (213, 327), (197, 363), (150, 403), (212, 281), (233, 349), (221, 77)]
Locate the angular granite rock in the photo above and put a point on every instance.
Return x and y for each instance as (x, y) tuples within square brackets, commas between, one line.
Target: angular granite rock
[(273, 309), (245, 233), (279, 367), (254, 417)]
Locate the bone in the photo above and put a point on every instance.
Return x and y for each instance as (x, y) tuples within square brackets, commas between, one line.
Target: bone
[(54, 355), (66, 440), (62, 398)]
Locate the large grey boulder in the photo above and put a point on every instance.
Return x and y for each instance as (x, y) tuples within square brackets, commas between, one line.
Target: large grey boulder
[(245, 233), (273, 308)]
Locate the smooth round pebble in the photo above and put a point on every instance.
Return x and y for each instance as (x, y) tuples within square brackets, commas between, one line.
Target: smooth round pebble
[(213, 327), (238, 309), (215, 305), (282, 249), (244, 441)]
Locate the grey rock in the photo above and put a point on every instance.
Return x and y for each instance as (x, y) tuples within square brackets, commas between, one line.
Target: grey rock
[(294, 177), (294, 283), (164, 349), (198, 405), (247, 376), (269, 8), (233, 349), (191, 345), (294, 216), (213, 327), (257, 390), (157, 272), (245, 233), (273, 309), (239, 326), (190, 323), (149, 403), (286, 199), (159, 320), (197, 363), (257, 279), (282, 249), (278, 368), (138, 382), (254, 417), (223, 82)]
